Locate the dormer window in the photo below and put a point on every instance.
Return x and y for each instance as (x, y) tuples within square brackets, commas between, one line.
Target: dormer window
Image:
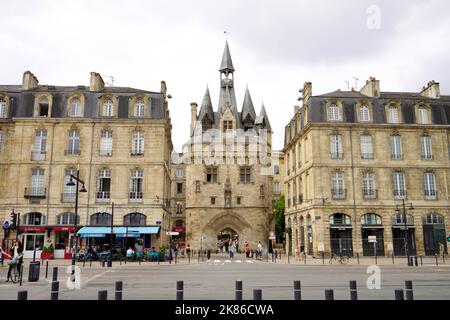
[(227, 125), (393, 115), (139, 109), (334, 113), (75, 108), (108, 108), (3, 111), (43, 107), (423, 115), (364, 113)]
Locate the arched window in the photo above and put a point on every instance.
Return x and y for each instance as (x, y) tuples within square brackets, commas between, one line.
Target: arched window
[(340, 219), (67, 218), (334, 113), (423, 115), (433, 218), (75, 108), (101, 219), (364, 113), (33, 219), (399, 219), (139, 109), (108, 108), (393, 114), (371, 219), (3, 113), (43, 107), (135, 219)]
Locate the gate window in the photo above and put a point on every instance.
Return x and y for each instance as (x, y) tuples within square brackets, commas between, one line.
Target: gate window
[(340, 219), (371, 219), (433, 218), (399, 219), (135, 219)]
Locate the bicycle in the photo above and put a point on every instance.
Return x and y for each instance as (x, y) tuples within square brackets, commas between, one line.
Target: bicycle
[(15, 272), (341, 259)]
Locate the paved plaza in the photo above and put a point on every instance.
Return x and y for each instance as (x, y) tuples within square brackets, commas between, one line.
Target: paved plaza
[(215, 279)]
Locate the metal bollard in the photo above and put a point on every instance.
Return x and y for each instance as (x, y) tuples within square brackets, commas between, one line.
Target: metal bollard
[(409, 290), (323, 257), (399, 294), (54, 293), (103, 295), (238, 290), (180, 285), (357, 256), (353, 290), (84, 263), (305, 257), (297, 290), (21, 275), (257, 294), (416, 262), (55, 274), (22, 295), (90, 263), (393, 258), (421, 260), (119, 288), (329, 294), (437, 263), (46, 270)]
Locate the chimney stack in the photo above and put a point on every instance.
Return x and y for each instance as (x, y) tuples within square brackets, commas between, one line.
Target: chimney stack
[(29, 81), (307, 92), (97, 83), (432, 90), (193, 115), (372, 88), (164, 88)]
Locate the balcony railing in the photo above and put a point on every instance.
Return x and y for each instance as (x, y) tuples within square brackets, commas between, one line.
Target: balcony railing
[(35, 192), (370, 194), (136, 195), (38, 156), (369, 156), (137, 154), (431, 195), (427, 157), (399, 194), (106, 153), (336, 155), (68, 197), (72, 152), (103, 195), (396, 156), (338, 194)]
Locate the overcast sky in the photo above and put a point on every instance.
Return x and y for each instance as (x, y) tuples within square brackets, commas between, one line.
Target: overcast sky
[(276, 46)]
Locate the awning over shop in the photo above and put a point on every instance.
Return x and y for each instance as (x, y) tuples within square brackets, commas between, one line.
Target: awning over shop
[(100, 232)]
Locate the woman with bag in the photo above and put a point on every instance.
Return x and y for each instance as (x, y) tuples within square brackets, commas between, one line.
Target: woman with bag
[(16, 256)]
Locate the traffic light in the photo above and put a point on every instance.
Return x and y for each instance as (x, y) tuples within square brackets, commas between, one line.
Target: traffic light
[(6, 233), (448, 239), (13, 219)]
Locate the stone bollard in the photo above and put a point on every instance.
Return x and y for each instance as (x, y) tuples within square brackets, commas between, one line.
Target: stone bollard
[(55, 274), (329, 294), (180, 285), (119, 288), (399, 294), (409, 290), (297, 290), (22, 295), (353, 290), (257, 294), (103, 295)]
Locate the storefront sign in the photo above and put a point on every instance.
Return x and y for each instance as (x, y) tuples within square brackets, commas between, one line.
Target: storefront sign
[(129, 235), (372, 239), (37, 229), (64, 229), (321, 247), (92, 235)]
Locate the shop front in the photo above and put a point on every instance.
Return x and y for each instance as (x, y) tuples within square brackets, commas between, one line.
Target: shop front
[(341, 235), (63, 242), (372, 235), (33, 240)]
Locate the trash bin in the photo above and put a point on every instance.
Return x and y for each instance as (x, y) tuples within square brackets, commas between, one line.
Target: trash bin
[(33, 274)]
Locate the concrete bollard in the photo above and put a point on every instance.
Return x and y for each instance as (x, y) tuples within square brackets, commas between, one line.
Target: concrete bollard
[(55, 274), (238, 290), (399, 294), (180, 289), (22, 295), (409, 290), (257, 294), (329, 294), (119, 288), (297, 290), (353, 290), (54, 293), (103, 295)]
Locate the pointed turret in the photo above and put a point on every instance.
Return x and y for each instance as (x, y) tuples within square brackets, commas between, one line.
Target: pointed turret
[(263, 120), (227, 63), (248, 111), (206, 109)]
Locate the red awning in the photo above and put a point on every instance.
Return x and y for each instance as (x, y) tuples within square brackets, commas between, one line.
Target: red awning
[(64, 229), (179, 229), (38, 229)]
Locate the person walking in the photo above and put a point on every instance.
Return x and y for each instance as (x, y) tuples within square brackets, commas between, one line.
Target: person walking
[(247, 249), (15, 254), (188, 249), (232, 250), (259, 251)]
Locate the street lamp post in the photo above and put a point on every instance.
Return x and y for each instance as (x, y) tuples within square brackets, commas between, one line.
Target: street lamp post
[(111, 238), (75, 238), (406, 227)]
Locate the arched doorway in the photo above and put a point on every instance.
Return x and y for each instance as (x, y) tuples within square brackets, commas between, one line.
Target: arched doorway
[(341, 235), (398, 235), (434, 234), (372, 226), (225, 238)]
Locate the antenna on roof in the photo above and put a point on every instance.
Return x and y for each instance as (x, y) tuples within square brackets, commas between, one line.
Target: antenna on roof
[(111, 80), (226, 34), (356, 82), (348, 84)]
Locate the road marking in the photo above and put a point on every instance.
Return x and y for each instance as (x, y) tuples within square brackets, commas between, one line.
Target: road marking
[(248, 261), (238, 261), (216, 261), (227, 261)]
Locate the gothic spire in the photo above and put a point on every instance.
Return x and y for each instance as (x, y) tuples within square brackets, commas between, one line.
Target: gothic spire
[(247, 107), (206, 108), (227, 64), (263, 119)]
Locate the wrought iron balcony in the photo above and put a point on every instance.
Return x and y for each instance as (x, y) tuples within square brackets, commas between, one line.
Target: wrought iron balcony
[(339, 194), (35, 192), (103, 195), (427, 157), (72, 152), (136, 196), (370, 194), (137, 154), (399, 194), (396, 156), (369, 156), (431, 195), (337, 155), (68, 197), (38, 156)]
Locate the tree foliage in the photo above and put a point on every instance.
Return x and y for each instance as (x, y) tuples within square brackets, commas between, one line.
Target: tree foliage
[(279, 219)]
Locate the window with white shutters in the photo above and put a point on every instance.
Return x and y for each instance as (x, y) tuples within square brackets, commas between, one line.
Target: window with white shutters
[(139, 109), (366, 147), (136, 184), (396, 148), (334, 113), (75, 108), (40, 143), (364, 113), (393, 114), (399, 186), (137, 148), (69, 191), (37, 182), (3, 113), (73, 146), (369, 191), (106, 143), (427, 153), (337, 185), (336, 146), (429, 184)]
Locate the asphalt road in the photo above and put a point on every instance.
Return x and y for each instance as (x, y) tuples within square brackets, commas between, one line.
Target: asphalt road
[(216, 280)]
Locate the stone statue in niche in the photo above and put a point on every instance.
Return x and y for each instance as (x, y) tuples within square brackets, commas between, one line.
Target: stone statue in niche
[(228, 193)]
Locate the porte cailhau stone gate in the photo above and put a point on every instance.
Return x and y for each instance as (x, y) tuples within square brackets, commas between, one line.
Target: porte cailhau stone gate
[(353, 157), (230, 196)]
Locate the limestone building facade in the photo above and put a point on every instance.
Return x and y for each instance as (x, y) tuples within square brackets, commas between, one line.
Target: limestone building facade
[(351, 160), (118, 138), (229, 175)]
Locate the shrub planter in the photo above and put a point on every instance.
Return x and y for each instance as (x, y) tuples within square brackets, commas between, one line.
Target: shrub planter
[(47, 256)]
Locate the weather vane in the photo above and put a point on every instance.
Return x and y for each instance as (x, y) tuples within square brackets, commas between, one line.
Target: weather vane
[(226, 34)]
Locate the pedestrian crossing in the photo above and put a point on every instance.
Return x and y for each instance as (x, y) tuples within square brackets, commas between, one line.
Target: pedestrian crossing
[(227, 261)]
